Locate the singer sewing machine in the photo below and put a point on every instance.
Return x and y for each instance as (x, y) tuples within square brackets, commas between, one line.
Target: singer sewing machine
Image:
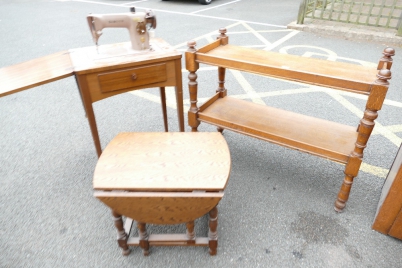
[(108, 69), (137, 23)]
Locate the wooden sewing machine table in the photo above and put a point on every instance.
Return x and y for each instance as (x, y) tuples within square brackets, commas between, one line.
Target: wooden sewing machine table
[(102, 72), (163, 178)]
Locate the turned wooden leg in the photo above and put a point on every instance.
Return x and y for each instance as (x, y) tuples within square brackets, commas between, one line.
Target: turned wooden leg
[(351, 171), (365, 128), (192, 66), (144, 244), (213, 234), (221, 84), (193, 112), (221, 87), (343, 194), (163, 102), (121, 233), (364, 131), (190, 232)]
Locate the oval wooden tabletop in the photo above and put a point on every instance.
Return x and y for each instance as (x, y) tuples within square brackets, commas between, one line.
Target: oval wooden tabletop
[(164, 161)]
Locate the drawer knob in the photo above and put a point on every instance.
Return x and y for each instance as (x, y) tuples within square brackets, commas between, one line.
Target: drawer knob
[(134, 76)]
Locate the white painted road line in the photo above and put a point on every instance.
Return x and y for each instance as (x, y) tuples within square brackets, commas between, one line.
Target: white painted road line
[(213, 7)]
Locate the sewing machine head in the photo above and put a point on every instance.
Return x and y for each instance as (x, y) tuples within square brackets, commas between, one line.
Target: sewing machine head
[(137, 23)]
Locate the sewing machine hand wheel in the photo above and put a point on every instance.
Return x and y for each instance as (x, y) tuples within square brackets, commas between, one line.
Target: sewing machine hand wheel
[(150, 19)]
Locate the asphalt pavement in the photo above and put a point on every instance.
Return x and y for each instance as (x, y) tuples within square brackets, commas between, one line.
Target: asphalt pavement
[(278, 206)]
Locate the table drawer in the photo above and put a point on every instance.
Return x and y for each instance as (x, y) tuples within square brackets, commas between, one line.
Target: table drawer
[(134, 77)]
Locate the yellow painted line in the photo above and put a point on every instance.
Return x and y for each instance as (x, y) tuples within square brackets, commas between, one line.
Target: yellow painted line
[(254, 96), (355, 95), (277, 93), (379, 128), (210, 39), (395, 128), (170, 96), (347, 104), (392, 137), (377, 171), (393, 103), (207, 68), (170, 102)]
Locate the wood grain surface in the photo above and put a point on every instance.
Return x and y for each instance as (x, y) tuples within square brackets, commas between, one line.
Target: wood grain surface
[(35, 72), (388, 219), (95, 59), (169, 240), (323, 138), (91, 59), (309, 134), (163, 161), (160, 207), (101, 87), (348, 77), (114, 69), (129, 78)]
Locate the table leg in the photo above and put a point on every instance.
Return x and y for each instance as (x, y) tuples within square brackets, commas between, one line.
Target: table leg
[(213, 234), (190, 232), (351, 171), (221, 88), (163, 102), (87, 101), (179, 95), (144, 244), (121, 233)]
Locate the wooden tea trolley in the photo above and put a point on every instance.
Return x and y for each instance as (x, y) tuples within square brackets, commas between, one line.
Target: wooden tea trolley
[(337, 142), (163, 178)]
